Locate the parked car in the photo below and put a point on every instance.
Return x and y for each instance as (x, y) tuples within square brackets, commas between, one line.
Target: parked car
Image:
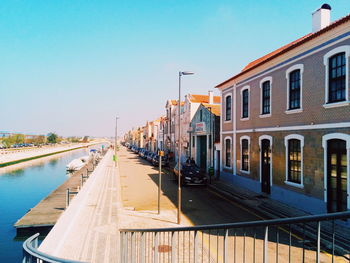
[(144, 154), (155, 160), (149, 156), (190, 174)]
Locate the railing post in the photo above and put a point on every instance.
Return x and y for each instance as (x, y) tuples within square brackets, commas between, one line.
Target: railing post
[(155, 260), (126, 247), (142, 247), (195, 247), (225, 245), (132, 260), (121, 252), (266, 245), (67, 198), (318, 241), (173, 244)]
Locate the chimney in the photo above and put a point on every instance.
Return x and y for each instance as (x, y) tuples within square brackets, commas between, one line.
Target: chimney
[(321, 18), (211, 97)]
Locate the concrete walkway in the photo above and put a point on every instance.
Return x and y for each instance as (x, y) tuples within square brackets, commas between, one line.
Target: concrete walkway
[(87, 230)]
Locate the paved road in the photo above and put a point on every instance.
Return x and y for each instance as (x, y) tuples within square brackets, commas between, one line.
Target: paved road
[(140, 181)]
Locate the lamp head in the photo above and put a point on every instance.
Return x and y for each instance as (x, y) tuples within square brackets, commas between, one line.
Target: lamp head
[(181, 73)]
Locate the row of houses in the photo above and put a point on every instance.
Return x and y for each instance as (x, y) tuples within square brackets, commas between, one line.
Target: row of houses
[(200, 130), (285, 121)]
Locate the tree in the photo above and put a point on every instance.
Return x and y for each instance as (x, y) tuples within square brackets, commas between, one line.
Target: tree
[(52, 137), (40, 139)]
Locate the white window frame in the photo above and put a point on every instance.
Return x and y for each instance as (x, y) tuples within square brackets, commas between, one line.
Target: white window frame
[(325, 139), (326, 57), (301, 139), (265, 137), (247, 87), (288, 71), (245, 137), (269, 78), (224, 161), (224, 113)]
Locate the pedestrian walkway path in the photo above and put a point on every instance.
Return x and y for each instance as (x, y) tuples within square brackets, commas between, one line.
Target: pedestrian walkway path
[(87, 230)]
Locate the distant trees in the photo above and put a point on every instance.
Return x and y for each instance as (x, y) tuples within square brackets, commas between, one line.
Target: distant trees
[(40, 139), (73, 139), (13, 139), (52, 137)]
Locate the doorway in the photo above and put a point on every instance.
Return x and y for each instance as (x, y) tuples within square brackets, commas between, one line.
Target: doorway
[(265, 166), (336, 175), (202, 143)]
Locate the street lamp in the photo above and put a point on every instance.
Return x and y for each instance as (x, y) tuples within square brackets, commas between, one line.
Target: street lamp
[(116, 137), (181, 73)]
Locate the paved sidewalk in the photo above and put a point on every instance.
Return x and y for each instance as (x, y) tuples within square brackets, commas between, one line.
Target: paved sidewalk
[(87, 230)]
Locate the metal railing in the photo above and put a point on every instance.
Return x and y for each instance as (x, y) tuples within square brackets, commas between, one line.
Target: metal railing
[(31, 254), (316, 238)]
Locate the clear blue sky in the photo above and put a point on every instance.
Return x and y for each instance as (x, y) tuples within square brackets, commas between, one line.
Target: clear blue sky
[(70, 66)]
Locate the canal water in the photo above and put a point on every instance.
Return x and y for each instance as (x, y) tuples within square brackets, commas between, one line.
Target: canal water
[(21, 189)]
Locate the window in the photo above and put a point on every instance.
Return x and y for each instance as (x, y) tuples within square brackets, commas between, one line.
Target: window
[(294, 159), (245, 144), (228, 108), (266, 89), (245, 102), (228, 152), (336, 62), (294, 76), (193, 141), (294, 90), (245, 155), (200, 115), (336, 73)]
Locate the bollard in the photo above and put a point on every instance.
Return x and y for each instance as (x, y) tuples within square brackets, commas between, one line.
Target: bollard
[(67, 197)]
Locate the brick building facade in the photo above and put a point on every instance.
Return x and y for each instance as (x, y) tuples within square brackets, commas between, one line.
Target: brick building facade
[(286, 122)]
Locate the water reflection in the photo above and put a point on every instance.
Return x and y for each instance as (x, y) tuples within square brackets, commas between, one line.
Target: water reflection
[(53, 163), (16, 173)]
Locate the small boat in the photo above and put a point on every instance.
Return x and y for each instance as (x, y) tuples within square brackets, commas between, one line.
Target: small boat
[(77, 164)]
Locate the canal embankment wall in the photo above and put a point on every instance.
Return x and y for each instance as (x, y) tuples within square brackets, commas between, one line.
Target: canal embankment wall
[(10, 158)]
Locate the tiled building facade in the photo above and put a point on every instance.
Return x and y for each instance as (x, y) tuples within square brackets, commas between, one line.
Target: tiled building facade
[(286, 122)]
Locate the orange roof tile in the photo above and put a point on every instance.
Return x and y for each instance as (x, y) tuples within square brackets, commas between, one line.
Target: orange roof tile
[(215, 108), (174, 102), (286, 48), (203, 98)]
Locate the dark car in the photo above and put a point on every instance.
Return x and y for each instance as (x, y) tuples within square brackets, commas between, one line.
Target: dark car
[(155, 160), (149, 156), (141, 150), (144, 154), (190, 174)]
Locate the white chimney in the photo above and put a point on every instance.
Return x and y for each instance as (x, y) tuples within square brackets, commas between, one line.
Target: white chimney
[(211, 97), (321, 18)]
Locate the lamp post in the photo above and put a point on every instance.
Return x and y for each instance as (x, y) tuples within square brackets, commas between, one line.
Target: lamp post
[(116, 138), (181, 73)]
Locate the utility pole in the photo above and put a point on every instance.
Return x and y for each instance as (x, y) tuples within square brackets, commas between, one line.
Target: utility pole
[(160, 153), (181, 73)]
